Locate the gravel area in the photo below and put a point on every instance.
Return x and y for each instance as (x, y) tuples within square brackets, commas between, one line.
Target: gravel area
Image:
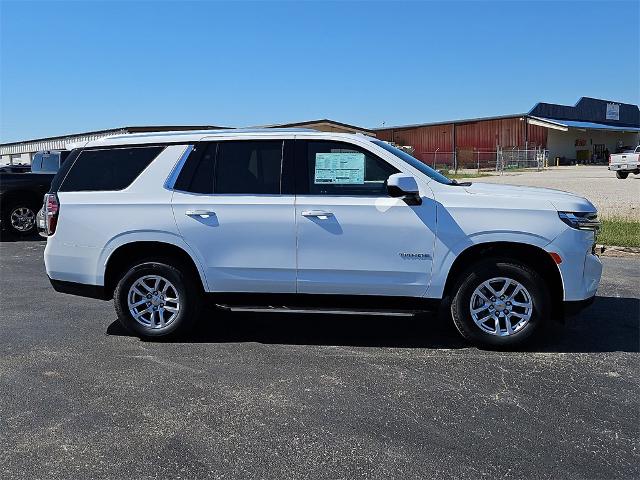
[(613, 197)]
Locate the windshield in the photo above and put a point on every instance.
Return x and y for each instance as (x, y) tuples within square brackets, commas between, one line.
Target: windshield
[(414, 162)]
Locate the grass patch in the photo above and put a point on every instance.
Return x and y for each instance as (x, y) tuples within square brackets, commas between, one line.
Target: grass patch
[(619, 232), (457, 176)]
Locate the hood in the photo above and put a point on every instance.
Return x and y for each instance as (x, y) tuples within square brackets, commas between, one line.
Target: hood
[(562, 201)]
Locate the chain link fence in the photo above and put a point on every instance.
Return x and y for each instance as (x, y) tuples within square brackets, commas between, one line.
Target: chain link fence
[(498, 160)]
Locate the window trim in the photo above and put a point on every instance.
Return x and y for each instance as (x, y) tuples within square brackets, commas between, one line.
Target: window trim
[(303, 173)]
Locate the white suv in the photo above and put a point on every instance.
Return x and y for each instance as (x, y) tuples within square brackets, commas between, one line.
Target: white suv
[(299, 220)]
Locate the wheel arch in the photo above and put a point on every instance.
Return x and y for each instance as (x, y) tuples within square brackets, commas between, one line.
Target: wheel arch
[(125, 255), (534, 257)]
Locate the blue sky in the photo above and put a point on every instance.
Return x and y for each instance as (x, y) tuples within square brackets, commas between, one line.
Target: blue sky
[(78, 66)]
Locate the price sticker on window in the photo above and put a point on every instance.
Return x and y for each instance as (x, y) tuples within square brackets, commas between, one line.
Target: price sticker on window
[(339, 168)]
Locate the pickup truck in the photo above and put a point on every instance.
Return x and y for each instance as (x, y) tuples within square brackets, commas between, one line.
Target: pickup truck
[(626, 162), (21, 194)]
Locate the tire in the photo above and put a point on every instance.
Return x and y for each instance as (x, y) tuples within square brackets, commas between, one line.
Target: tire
[(178, 316), (19, 218), (622, 175), (524, 321)]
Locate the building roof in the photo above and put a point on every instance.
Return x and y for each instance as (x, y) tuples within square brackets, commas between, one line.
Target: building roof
[(586, 109), (314, 122), (59, 142), (584, 125), (594, 110), (449, 122)]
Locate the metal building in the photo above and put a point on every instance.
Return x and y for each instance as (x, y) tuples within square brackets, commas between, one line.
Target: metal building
[(583, 132), (22, 152)]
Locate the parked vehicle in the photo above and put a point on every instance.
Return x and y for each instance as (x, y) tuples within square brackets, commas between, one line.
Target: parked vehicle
[(625, 162), (19, 168), (295, 220), (21, 193)]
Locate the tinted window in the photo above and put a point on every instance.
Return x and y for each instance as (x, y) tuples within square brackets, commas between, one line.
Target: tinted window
[(336, 168), (249, 167), (64, 169), (197, 173), (50, 163), (108, 169)]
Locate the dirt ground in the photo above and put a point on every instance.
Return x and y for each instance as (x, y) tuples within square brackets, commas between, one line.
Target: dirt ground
[(612, 197)]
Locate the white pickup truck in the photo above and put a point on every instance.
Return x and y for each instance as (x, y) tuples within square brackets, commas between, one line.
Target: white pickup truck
[(626, 162)]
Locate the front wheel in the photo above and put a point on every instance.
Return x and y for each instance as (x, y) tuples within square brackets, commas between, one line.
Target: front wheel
[(155, 299), (500, 303), (622, 175)]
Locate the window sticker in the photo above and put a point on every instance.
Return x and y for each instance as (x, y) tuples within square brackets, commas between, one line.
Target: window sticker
[(339, 168)]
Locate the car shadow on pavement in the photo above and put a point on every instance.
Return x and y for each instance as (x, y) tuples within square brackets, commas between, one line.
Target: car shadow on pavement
[(8, 237), (610, 325)]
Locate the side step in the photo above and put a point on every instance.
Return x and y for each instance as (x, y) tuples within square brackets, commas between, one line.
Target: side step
[(315, 310)]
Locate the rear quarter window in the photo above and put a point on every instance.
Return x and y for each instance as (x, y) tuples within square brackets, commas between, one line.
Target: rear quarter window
[(107, 169)]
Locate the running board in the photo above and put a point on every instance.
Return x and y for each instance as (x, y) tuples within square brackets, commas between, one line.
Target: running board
[(321, 311)]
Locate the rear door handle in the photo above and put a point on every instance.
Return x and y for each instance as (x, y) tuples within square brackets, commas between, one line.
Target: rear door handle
[(199, 213), (316, 213)]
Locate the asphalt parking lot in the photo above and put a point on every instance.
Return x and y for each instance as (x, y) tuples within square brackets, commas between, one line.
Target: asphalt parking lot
[(269, 396)]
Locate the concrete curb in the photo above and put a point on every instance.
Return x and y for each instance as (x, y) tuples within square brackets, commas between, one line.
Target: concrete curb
[(613, 251)]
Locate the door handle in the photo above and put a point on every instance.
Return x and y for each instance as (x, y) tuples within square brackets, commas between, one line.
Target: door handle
[(316, 213), (199, 213)]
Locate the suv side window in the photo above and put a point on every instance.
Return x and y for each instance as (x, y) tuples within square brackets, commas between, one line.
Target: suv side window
[(250, 167), (337, 168), (107, 168), (196, 175)]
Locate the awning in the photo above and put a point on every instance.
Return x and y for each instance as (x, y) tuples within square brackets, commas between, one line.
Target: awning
[(564, 125)]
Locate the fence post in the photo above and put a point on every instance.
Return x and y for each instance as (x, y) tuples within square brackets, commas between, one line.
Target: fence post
[(434, 157), (478, 155)]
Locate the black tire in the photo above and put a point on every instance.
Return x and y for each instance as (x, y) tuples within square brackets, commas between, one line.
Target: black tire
[(622, 175), (188, 290), (23, 210), (490, 269)]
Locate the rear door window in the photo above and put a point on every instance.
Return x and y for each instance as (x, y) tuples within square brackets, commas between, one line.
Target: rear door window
[(248, 167), (108, 169)]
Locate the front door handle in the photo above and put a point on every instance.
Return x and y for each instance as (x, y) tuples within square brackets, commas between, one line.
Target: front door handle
[(317, 213), (199, 213)]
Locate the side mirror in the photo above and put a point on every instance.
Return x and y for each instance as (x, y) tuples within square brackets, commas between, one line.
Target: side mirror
[(401, 185)]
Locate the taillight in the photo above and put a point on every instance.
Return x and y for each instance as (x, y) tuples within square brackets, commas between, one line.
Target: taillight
[(51, 210), (609, 159)]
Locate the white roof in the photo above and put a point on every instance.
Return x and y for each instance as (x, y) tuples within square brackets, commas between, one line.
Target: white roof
[(191, 136)]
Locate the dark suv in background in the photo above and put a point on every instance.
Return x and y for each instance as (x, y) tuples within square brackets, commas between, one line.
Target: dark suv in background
[(21, 193)]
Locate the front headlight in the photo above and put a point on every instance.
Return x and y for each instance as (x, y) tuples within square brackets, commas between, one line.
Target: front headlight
[(581, 220)]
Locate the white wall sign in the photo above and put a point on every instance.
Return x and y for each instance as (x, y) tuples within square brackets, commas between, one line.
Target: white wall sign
[(613, 111)]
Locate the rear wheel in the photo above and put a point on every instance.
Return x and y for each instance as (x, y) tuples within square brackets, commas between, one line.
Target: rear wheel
[(154, 299), (500, 303), (622, 175)]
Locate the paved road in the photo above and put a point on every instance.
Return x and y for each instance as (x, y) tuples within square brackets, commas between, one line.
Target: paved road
[(310, 397), (612, 197)]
